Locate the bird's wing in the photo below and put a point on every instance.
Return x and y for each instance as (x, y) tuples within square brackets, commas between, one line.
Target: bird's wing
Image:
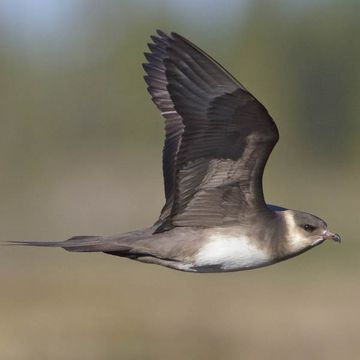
[(218, 137), (174, 126)]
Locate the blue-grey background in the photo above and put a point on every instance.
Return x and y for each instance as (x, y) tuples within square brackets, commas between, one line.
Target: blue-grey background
[(80, 150)]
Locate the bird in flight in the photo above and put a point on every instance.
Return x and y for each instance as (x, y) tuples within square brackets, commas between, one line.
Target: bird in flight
[(218, 139)]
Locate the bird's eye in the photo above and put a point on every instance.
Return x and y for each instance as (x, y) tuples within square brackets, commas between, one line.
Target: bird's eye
[(309, 228)]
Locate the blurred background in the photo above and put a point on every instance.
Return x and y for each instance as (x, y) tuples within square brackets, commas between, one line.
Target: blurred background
[(80, 153)]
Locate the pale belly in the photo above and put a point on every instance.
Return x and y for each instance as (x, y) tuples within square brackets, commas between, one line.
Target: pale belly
[(223, 253)]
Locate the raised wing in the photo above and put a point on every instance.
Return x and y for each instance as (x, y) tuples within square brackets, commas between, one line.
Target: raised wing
[(218, 137)]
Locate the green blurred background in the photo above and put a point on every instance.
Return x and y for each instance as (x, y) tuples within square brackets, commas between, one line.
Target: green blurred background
[(80, 149)]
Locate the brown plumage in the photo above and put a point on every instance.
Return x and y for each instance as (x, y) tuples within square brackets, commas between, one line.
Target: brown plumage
[(218, 138)]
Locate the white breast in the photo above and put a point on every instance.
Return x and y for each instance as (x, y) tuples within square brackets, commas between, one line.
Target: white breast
[(231, 253)]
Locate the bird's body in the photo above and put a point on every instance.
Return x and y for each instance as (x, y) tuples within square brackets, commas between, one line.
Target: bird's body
[(217, 249), (244, 246), (218, 139)]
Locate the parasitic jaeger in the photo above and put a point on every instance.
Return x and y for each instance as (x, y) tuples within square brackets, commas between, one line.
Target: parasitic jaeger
[(218, 139)]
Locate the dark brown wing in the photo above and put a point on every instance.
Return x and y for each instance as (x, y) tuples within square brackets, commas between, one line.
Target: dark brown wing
[(224, 136), (174, 126)]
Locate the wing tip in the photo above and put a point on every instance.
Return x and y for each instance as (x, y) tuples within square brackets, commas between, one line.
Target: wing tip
[(161, 33), (174, 34)]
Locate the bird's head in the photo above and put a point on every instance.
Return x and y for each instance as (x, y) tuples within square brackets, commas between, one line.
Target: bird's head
[(305, 230)]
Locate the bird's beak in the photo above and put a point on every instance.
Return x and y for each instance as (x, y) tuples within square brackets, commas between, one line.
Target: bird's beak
[(328, 235)]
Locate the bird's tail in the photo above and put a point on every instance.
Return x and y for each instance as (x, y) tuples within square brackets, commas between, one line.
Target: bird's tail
[(89, 243), (77, 243)]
